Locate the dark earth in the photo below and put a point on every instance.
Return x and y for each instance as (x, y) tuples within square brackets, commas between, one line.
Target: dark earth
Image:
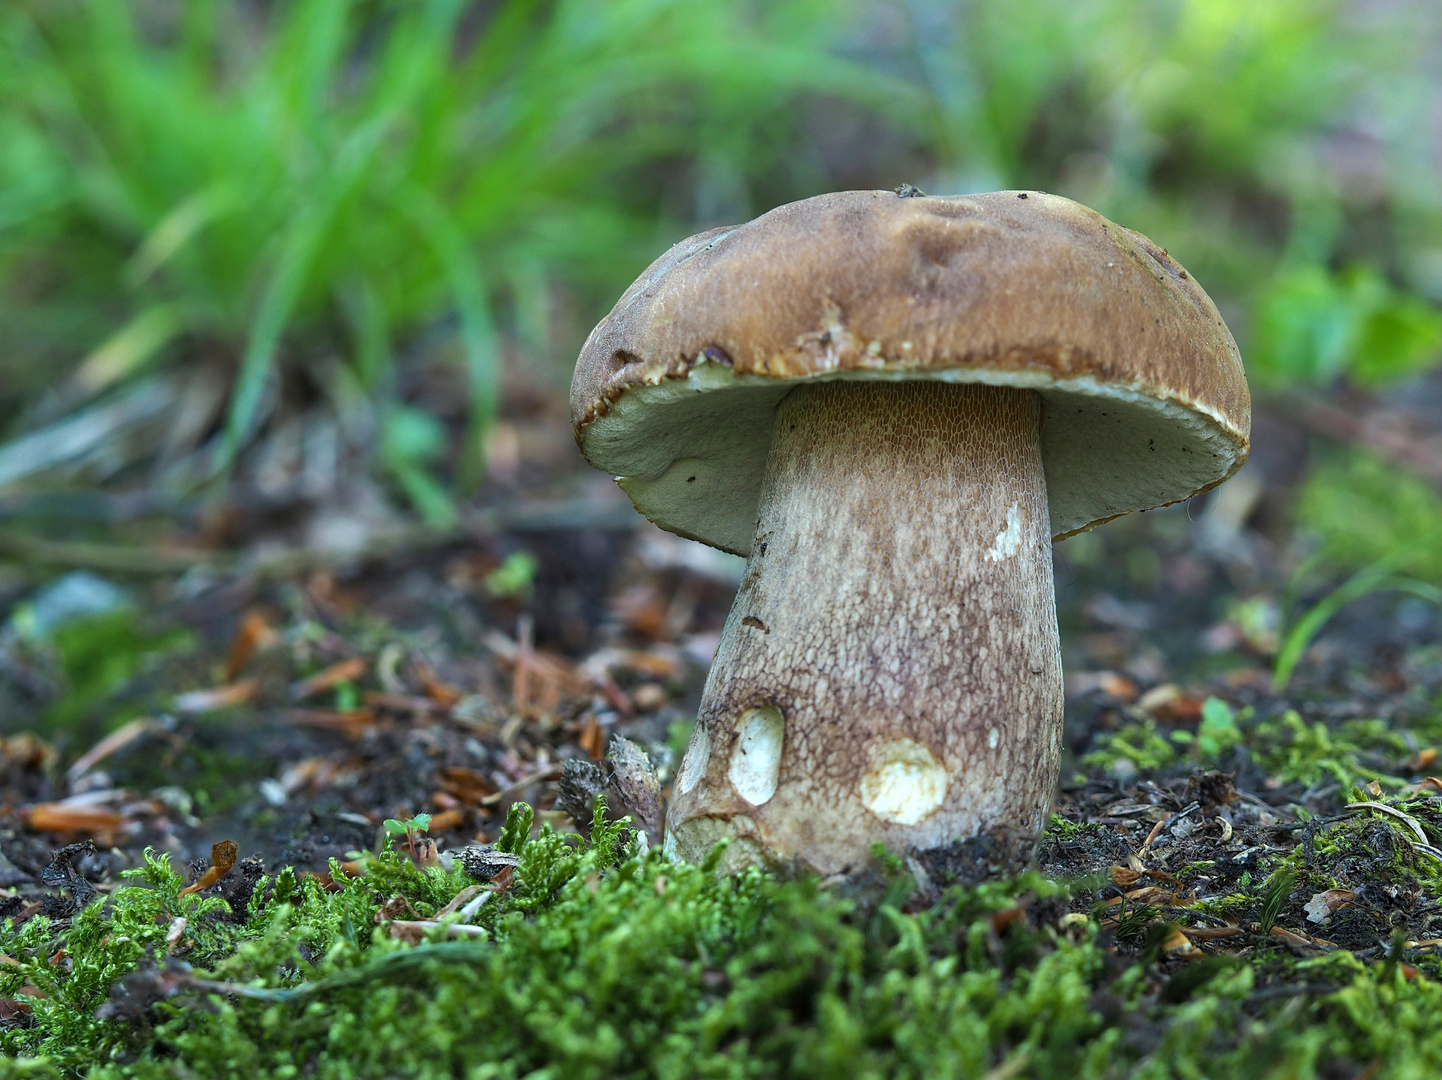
[(294, 711)]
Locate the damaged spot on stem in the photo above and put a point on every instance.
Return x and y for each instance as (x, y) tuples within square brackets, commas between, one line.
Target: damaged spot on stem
[(905, 783), (756, 757)]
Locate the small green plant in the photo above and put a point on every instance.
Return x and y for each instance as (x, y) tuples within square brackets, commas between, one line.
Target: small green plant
[(1313, 324), (94, 656), (1279, 888), (408, 828), (515, 576), (1144, 744), (1218, 732)]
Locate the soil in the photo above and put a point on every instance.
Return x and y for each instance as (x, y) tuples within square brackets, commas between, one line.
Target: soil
[(294, 716)]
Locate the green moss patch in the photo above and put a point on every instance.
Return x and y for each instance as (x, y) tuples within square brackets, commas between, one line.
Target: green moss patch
[(603, 960)]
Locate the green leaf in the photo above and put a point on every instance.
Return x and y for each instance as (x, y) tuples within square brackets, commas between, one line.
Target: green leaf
[(1398, 338), (1278, 889), (514, 576), (1218, 730), (1296, 640), (410, 440), (1305, 324), (1312, 325)]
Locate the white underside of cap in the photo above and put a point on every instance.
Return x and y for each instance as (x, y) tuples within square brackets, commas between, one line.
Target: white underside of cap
[(690, 452)]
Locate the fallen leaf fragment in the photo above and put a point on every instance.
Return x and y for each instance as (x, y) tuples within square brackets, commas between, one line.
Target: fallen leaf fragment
[(1301, 942), (1177, 944), (648, 697), (67, 817), (1124, 877), (1115, 686), (521, 785), (1156, 831), (1148, 895), (447, 820), (13, 1009), (486, 864), (326, 679), (634, 786), (253, 633), (442, 693), (222, 861), (220, 697), (540, 681), (1169, 702), (353, 722), (593, 738), (1212, 933), (1322, 904), (1000, 920), (460, 900), (63, 873), (1391, 811), (118, 739), (416, 930), (467, 785)]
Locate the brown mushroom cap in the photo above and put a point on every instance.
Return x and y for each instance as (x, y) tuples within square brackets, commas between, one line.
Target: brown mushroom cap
[(1144, 398)]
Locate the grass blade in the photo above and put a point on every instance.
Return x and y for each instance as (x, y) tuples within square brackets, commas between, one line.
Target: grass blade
[(128, 349), (1301, 633), (478, 337), (299, 249)]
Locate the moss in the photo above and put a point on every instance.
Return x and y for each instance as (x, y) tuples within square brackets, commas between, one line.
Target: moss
[(96, 656), (602, 960), (1290, 750), (1355, 753)]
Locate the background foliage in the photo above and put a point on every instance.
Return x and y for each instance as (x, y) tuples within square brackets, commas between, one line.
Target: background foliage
[(319, 199)]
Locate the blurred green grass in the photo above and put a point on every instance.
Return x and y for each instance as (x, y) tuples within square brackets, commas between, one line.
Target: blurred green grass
[(309, 194)]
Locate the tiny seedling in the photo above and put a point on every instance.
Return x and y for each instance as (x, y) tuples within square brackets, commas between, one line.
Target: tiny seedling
[(408, 828), (515, 576), (1278, 890), (1218, 731)]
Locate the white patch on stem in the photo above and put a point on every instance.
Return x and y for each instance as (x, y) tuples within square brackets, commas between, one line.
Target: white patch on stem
[(905, 783), (1008, 541), (756, 758)]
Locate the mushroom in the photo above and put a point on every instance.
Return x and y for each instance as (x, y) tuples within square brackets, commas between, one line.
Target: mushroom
[(892, 405)]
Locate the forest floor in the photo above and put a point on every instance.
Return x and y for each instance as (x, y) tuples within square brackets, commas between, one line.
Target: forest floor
[(1240, 877)]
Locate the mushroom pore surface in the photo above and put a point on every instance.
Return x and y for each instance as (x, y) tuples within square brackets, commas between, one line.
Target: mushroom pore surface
[(890, 670)]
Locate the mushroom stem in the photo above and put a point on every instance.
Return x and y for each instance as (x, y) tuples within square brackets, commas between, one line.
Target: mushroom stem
[(890, 670)]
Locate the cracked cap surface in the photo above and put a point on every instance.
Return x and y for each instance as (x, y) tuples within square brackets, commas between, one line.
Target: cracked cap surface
[(1144, 398)]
